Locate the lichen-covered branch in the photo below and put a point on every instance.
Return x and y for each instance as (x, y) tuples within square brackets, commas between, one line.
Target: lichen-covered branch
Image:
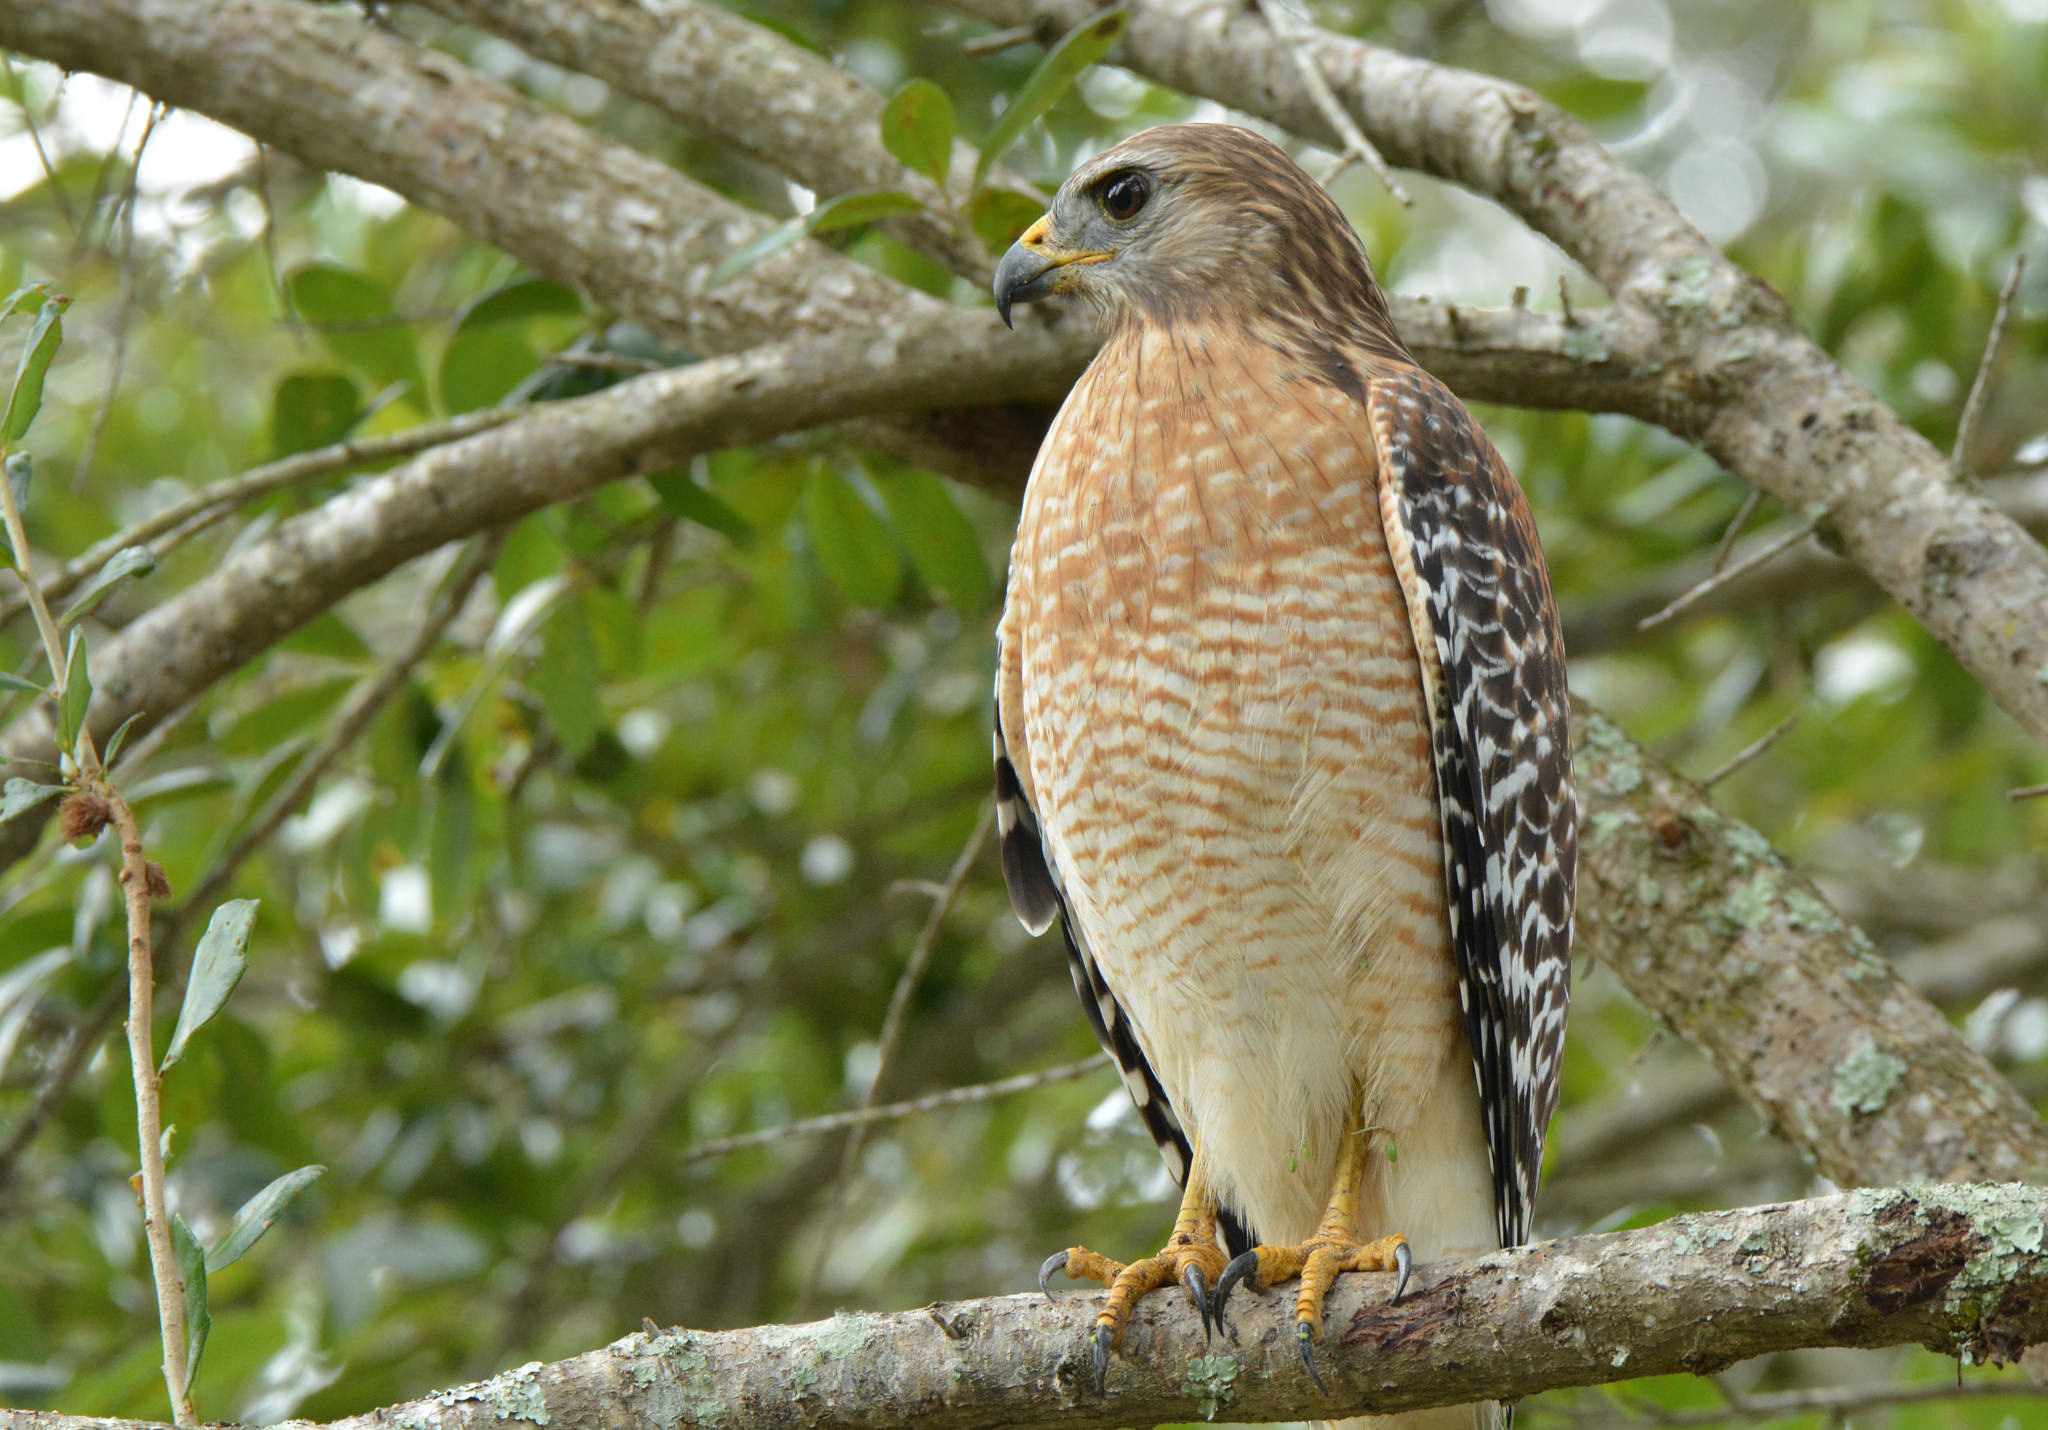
[(1959, 1269), (1738, 374), (1706, 925)]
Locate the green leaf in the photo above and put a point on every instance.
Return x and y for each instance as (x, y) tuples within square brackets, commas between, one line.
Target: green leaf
[(257, 1214), (1000, 216), (20, 796), (77, 694), (686, 499), (128, 561), (944, 547), (918, 129), (851, 542), (357, 322), (493, 348), (10, 681), (312, 409), (568, 681), (846, 211), (217, 967), (25, 298), (26, 397), (113, 750), (192, 1271), (1054, 76)]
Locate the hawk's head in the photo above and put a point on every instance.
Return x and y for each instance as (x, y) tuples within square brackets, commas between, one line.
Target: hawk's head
[(1191, 221)]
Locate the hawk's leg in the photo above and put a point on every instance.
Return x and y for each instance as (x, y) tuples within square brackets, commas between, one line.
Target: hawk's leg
[(1191, 1257), (1334, 1248)]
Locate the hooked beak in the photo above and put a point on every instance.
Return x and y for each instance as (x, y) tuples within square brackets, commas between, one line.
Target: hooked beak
[(1031, 269)]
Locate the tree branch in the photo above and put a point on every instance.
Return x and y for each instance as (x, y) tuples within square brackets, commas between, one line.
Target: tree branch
[(1959, 1269), (1706, 925)]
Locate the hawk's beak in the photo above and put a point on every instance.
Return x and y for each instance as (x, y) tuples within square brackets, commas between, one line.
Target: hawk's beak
[(1031, 269)]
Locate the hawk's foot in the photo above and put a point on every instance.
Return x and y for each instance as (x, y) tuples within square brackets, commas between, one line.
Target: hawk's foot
[(1317, 1262), (1190, 1257)]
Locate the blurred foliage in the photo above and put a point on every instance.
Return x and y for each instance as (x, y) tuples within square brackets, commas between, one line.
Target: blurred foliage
[(636, 858)]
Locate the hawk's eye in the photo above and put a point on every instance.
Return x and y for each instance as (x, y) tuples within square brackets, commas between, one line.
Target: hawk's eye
[(1124, 195)]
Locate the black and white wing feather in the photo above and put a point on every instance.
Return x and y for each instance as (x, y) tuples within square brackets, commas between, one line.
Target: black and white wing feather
[(1493, 658)]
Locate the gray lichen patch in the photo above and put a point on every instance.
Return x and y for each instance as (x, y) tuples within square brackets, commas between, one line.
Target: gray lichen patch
[(1809, 914), (1213, 1380), (513, 1395), (1752, 903), (1865, 1078)]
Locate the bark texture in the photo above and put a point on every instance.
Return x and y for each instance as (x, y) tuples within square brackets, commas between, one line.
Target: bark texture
[(1957, 1268)]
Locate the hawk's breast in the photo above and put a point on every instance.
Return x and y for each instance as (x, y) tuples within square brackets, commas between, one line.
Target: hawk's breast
[(1211, 666)]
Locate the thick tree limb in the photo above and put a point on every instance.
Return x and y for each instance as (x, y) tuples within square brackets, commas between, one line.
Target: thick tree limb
[(751, 90), (1704, 923), (639, 237), (1741, 378), (1959, 1269)]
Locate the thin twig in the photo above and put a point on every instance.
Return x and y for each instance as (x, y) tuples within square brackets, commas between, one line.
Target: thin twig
[(136, 879), (35, 135), (1355, 145), (1750, 751), (212, 503), (891, 1112), (2026, 792), (355, 715), (1730, 573), (1973, 405), (124, 308), (353, 718), (1741, 518), (892, 1034)]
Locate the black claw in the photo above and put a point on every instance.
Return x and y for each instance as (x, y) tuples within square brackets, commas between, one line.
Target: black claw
[(1103, 1336), (1198, 1292), (1404, 1262), (1058, 1262), (1304, 1340), (1239, 1268)]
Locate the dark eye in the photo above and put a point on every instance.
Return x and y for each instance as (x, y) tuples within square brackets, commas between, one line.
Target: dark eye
[(1124, 195)]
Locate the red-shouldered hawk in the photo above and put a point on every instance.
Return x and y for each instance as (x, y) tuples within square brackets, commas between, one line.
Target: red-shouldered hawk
[(1281, 736)]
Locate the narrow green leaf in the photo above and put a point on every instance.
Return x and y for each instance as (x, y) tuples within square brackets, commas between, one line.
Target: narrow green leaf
[(846, 211), (217, 967), (312, 409), (688, 500), (129, 561), (28, 296), (113, 750), (851, 542), (850, 210), (755, 251), (26, 397), (918, 129), (1055, 74), (192, 1271), (77, 694), (943, 545), (20, 796), (568, 680), (257, 1214), (10, 681)]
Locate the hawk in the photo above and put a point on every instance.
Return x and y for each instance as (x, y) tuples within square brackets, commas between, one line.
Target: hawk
[(1281, 737)]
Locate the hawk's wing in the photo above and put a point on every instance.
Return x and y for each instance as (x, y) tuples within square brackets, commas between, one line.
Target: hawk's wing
[(1493, 665), (1035, 893)]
